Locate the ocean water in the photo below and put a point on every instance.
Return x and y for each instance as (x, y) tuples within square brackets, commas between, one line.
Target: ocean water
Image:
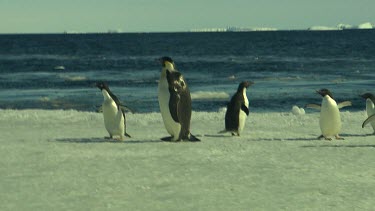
[(58, 71)]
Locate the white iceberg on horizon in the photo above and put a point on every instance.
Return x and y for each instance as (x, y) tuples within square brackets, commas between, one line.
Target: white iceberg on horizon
[(343, 26), (322, 28), (366, 25)]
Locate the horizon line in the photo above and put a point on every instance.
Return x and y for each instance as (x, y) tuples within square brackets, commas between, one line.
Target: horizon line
[(167, 32)]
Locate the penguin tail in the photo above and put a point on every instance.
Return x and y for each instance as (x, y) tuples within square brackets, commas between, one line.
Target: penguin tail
[(127, 135), (223, 131), (192, 138)]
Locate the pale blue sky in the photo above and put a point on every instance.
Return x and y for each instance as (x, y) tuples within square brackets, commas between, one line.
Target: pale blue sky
[(46, 16)]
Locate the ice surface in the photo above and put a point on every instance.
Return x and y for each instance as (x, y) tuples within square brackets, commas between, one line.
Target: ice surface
[(59, 160), (298, 111)]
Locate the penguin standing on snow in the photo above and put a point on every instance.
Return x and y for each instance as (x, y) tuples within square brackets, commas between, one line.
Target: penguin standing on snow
[(114, 115), (330, 120), (237, 110), (370, 109), (175, 102)]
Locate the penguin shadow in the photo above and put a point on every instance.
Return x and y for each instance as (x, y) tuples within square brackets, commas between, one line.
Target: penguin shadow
[(215, 136), (259, 139), (347, 137), (104, 140), (288, 139), (340, 146), (356, 135)]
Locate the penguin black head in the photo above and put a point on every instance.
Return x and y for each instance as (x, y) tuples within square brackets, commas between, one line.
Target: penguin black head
[(244, 84), (165, 59), (324, 92), (102, 85), (368, 96)]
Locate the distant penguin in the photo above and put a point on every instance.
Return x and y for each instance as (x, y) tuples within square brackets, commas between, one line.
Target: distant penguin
[(175, 102), (330, 120), (237, 110), (114, 115), (370, 109)]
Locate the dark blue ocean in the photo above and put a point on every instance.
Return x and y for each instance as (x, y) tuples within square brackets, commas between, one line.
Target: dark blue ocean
[(58, 71)]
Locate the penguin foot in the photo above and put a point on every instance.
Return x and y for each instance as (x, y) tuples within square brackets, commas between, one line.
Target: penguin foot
[(338, 137), (325, 138)]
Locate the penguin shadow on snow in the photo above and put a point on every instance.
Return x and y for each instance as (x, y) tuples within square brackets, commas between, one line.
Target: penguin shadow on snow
[(287, 139), (340, 146), (343, 143), (355, 135), (104, 140), (249, 137)]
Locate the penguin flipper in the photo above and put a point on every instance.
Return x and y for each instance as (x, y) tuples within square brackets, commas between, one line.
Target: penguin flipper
[(344, 104), (314, 106), (245, 109), (126, 108), (173, 105), (368, 120), (123, 114)]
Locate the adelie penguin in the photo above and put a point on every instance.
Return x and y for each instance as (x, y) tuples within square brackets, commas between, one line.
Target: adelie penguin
[(237, 110), (330, 120), (175, 102), (370, 110), (113, 113)]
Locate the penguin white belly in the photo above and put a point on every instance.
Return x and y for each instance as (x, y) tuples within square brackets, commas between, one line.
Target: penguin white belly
[(370, 109), (242, 120), (242, 114), (330, 121), (173, 128), (113, 119)]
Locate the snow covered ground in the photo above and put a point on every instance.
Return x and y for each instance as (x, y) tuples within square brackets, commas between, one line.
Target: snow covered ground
[(59, 160)]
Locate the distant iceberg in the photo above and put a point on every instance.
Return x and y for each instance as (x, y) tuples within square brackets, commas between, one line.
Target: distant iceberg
[(234, 29), (322, 28), (366, 25), (342, 26)]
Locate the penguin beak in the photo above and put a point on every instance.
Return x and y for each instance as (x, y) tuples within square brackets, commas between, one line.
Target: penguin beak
[(160, 61), (249, 83)]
